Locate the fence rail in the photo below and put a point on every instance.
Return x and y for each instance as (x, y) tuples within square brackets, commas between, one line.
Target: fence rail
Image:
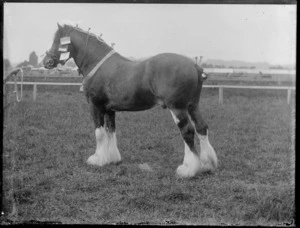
[(220, 87)]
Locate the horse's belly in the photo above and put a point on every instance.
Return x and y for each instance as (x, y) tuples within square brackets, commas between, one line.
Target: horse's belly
[(134, 102)]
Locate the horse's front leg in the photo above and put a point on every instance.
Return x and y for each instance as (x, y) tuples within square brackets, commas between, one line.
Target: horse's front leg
[(106, 143)]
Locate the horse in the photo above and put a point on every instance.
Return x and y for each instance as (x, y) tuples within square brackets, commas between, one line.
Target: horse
[(112, 83)]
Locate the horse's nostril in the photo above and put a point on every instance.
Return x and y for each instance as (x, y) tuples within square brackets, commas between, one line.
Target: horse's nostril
[(50, 62)]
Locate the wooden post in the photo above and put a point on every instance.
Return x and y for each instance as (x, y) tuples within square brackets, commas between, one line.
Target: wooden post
[(34, 91), (278, 79), (220, 95), (289, 96)]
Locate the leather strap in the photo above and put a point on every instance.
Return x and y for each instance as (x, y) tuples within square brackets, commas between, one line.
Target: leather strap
[(97, 67)]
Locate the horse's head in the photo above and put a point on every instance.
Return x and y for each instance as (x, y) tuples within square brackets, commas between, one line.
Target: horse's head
[(60, 49)]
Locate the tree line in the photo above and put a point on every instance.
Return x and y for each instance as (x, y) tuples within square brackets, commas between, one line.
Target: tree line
[(32, 61)]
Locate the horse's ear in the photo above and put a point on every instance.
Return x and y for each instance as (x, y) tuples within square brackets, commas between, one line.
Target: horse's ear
[(59, 26)]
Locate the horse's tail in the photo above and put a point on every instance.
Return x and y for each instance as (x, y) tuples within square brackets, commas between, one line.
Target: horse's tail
[(201, 77), (201, 74)]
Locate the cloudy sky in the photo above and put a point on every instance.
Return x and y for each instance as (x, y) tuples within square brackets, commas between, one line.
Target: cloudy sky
[(253, 33)]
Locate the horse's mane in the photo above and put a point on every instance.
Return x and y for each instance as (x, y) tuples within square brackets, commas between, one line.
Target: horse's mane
[(97, 39), (70, 26)]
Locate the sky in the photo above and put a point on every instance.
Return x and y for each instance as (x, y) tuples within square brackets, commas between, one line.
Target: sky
[(252, 33)]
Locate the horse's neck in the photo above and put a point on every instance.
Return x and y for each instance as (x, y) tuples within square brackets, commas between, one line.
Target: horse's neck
[(87, 56)]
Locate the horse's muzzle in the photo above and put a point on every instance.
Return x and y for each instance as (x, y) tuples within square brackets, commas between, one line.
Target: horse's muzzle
[(49, 63)]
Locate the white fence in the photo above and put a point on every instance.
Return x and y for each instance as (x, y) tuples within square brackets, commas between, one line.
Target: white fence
[(221, 88), (251, 71)]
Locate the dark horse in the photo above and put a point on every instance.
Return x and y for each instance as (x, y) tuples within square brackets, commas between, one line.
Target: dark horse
[(114, 83)]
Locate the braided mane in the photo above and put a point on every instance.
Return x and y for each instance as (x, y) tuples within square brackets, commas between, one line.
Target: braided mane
[(68, 26), (99, 41)]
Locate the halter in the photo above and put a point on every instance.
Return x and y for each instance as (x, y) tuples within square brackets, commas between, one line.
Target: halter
[(53, 56), (93, 71)]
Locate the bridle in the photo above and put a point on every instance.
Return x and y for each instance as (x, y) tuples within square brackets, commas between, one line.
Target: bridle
[(54, 56), (92, 72)]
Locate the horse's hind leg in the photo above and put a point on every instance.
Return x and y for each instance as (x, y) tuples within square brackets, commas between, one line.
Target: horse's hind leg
[(106, 143), (191, 163), (208, 155)]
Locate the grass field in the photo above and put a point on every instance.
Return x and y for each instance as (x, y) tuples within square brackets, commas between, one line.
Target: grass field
[(47, 143)]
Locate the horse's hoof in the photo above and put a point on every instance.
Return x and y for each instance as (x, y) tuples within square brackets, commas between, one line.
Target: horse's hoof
[(183, 171), (94, 160), (100, 161)]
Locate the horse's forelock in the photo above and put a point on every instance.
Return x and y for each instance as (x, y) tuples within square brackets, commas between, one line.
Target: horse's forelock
[(69, 23), (65, 27)]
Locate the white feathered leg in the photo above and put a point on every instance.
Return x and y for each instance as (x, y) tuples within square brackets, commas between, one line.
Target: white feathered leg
[(208, 157), (191, 164), (106, 150)]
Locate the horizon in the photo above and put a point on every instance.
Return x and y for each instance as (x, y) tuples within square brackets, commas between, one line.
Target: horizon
[(247, 33)]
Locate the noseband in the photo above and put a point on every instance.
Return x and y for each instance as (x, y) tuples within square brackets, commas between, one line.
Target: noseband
[(54, 57), (51, 55)]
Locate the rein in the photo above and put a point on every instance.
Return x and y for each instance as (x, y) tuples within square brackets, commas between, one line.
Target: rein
[(14, 74), (19, 98)]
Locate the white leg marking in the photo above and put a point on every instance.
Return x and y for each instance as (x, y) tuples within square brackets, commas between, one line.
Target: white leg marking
[(176, 120), (106, 150), (191, 164), (208, 155)]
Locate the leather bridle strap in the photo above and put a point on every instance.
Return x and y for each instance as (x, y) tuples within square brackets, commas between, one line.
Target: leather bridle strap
[(86, 43), (97, 67)]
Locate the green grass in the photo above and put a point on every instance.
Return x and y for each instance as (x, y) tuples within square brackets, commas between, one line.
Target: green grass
[(47, 143)]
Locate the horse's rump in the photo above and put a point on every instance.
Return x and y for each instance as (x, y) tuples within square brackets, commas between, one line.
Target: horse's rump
[(174, 79)]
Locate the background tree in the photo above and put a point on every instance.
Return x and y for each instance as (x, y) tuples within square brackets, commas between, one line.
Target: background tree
[(33, 59), (24, 63)]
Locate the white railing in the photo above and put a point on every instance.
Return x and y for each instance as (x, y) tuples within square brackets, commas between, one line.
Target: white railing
[(221, 88), (250, 71)]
